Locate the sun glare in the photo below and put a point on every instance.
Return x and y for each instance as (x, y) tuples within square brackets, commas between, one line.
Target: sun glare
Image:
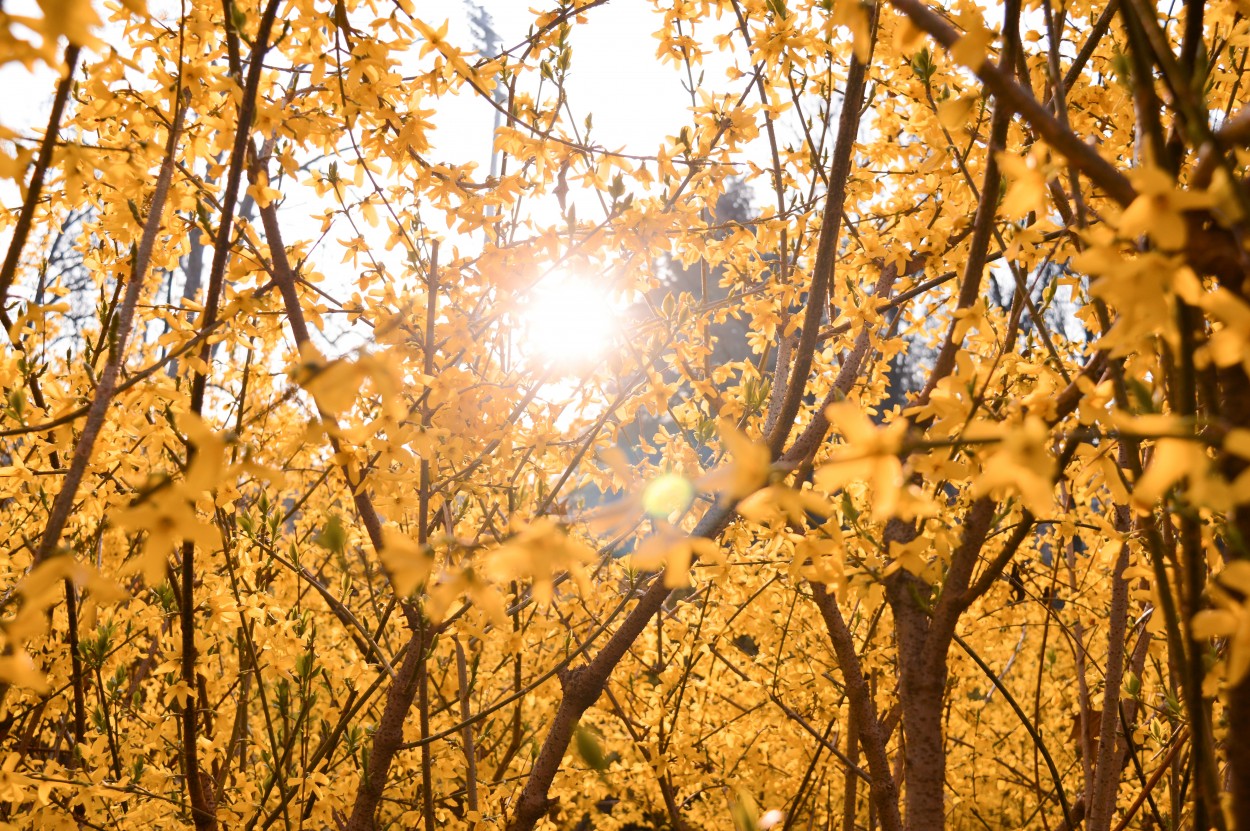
[(569, 322)]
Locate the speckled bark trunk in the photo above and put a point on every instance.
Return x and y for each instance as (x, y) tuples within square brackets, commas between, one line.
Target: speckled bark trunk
[(1235, 406), (387, 739)]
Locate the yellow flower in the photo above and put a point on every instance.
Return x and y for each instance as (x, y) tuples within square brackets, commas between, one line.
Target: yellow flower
[(674, 551), (1157, 211), (407, 563), (747, 472), (871, 454), (1022, 464), (540, 551), (168, 517), (1230, 620)]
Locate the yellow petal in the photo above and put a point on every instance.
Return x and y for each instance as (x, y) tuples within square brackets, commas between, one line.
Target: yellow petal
[(1214, 623), (1173, 460), (19, 670), (972, 49), (1236, 576), (406, 562)]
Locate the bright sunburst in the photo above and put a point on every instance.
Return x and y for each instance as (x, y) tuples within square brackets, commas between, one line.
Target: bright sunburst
[(569, 321)]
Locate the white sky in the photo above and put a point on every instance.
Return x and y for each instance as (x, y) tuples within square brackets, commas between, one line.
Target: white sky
[(615, 74)]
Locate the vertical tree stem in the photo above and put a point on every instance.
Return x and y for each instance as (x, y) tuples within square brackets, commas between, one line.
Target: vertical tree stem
[(34, 190)]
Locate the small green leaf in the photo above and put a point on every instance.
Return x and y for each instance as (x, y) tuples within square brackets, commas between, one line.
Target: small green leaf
[(589, 749), (333, 536)]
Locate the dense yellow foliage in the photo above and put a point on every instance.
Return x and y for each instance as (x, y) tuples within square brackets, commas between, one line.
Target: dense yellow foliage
[(916, 499)]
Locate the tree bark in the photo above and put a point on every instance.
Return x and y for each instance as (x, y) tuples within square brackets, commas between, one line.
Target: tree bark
[(388, 738), (863, 710)]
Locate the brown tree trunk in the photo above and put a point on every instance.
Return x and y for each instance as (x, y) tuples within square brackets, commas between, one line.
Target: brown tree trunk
[(1235, 407), (388, 738), (921, 693)]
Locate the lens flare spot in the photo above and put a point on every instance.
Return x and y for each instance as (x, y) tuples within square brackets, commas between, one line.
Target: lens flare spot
[(666, 495)]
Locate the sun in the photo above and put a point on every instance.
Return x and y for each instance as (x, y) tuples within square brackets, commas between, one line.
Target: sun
[(569, 321)]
